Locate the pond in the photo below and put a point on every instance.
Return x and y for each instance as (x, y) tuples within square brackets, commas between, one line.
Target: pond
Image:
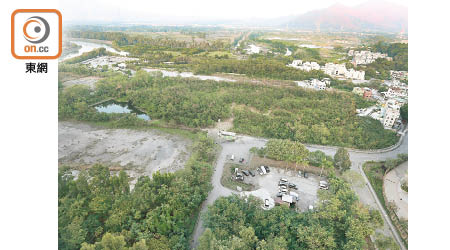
[(115, 107)]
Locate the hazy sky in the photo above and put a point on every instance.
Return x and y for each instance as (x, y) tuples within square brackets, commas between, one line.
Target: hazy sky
[(146, 10)]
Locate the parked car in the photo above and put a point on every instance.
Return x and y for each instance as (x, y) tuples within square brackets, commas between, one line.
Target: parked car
[(283, 180), (245, 172), (305, 175), (241, 160), (259, 171), (266, 202), (299, 173), (239, 177), (232, 157), (292, 185), (282, 186), (283, 190), (251, 173), (267, 169), (279, 194), (263, 169), (323, 185)]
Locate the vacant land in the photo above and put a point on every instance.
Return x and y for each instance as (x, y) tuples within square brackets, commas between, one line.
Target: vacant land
[(141, 151), (394, 193), (88, 81)]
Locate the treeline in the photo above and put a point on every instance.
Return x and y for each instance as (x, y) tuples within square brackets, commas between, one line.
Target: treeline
[(338, 222), (97, 210), (142, 28), (316, 117), (139, 44), (88, 55), (257, 67), (293, 151)]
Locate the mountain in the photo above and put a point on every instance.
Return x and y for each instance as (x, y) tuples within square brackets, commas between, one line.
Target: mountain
[(370, 16)]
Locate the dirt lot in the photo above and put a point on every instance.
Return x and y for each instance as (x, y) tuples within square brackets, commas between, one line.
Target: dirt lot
[(394, 192), (139, 152)]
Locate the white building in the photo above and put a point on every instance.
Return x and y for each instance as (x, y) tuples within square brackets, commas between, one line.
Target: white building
[(313, 84), (392, 114), (365, 57), (306, 66), (339, 70)]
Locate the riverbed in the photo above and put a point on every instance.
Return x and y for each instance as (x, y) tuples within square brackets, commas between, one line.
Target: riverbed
[(89, 46)]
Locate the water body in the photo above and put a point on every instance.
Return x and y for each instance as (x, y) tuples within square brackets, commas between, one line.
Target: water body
[(89, 46), (167, 73), (312, 46), (113, 107)]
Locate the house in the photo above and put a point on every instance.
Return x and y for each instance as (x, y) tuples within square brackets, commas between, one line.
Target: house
[(399, 75), (312, 84), (367, 93)]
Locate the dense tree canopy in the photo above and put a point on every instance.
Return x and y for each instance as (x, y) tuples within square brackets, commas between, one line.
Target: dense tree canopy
[(97, 210), (316, 117), (342, 160)]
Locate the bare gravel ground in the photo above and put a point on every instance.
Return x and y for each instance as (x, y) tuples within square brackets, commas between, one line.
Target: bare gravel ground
[(394, 193), (268, 184), (139, 152)]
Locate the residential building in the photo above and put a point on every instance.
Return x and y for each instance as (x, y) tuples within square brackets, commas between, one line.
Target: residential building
[(399, 75), (392, 114)]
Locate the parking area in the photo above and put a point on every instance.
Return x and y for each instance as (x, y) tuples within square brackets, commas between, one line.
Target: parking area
[(306, 188), (266, 186)]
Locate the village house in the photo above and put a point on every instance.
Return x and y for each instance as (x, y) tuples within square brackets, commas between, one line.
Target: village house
[(365, 57), (399, 75)]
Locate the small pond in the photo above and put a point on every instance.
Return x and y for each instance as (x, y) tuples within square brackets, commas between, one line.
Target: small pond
[(121, 107)]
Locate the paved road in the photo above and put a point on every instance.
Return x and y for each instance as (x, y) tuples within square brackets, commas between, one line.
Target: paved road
[(241, 148)]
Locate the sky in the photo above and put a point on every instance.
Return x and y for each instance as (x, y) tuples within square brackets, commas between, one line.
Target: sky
[(150, 10)]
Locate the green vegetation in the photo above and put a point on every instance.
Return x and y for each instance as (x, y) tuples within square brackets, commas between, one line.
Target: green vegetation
[(385, 243), (97, 210), (399, 54), (404, 186), (317, 117), (404, 112), (292, 151), (342, 160), (375, 172), (257, 67), (339, 223), (286, 150), (228, 178)]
